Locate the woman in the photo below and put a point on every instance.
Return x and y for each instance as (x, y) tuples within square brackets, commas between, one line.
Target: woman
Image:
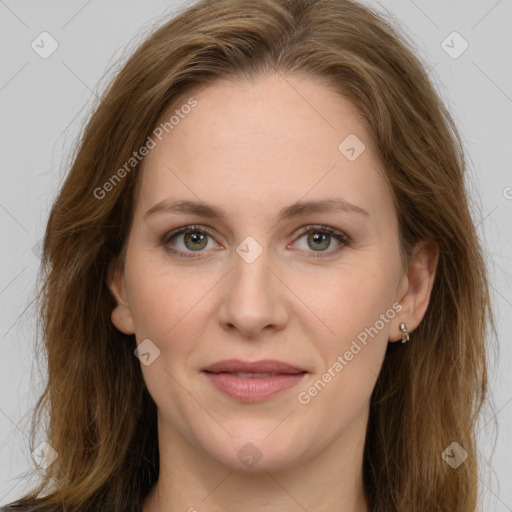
[(264, 289)]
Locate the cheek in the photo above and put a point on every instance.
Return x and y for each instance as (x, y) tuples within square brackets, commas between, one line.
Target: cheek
[(167, 304), (168, 309), (350, 303), (358, 311)]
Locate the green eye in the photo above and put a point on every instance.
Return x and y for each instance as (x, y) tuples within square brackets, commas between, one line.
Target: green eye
[(193, 239), (319, 239)]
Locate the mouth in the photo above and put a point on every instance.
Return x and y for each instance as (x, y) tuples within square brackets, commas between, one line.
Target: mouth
[(256, 381)]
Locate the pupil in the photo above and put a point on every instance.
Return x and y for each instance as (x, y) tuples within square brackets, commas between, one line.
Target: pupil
[(196, 238), (318, 238)]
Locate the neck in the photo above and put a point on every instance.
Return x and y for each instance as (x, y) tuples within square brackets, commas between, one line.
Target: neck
[(193, 481)]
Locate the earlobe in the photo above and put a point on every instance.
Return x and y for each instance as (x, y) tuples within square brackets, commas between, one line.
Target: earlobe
[(418, 286), (121, 315)]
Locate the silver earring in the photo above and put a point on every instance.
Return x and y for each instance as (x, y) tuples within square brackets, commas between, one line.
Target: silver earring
[(405, 334)]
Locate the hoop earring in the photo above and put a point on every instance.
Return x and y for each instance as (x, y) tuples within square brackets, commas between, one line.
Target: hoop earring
[(405, 334)]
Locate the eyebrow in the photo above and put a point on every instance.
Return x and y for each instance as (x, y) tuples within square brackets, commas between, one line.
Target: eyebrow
[(207, 210)]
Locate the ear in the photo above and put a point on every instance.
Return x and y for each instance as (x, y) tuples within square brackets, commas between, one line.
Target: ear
[(415, 288), (121, 315)]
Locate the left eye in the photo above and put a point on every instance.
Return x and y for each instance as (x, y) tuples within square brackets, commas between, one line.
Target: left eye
[(320, 239)]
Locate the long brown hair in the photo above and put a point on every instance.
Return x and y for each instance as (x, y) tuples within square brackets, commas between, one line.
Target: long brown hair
[(102, 420)]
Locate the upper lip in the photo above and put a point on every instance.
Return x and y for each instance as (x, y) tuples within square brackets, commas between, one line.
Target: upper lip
[(262, 366)]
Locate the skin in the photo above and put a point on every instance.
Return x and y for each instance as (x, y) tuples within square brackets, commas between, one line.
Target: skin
[(253, 149)]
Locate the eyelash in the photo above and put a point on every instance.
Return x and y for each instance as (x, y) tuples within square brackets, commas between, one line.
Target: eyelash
[(338, 235)]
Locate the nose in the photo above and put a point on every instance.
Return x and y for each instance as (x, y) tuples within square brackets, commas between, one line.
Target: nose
[(254, 299)]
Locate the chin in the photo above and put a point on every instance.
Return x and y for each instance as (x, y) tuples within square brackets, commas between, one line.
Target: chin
[(258, 451)]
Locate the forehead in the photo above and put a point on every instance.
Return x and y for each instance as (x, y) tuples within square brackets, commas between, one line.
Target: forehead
[(274, 140)]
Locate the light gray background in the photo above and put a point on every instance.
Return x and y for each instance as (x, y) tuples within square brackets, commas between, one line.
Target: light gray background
[(43, 103)]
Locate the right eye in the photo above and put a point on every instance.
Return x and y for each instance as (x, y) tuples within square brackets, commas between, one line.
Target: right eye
[(188, 239)]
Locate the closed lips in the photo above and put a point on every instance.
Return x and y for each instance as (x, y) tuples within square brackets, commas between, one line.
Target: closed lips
[(255, 381)]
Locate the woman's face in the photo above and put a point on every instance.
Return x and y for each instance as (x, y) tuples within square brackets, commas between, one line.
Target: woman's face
[(256, 277)]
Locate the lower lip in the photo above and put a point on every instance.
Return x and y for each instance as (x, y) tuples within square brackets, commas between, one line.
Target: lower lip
[(253, 389)]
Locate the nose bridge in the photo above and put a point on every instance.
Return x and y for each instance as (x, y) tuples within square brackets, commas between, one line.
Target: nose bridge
[(252, 298), (251, 279)]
